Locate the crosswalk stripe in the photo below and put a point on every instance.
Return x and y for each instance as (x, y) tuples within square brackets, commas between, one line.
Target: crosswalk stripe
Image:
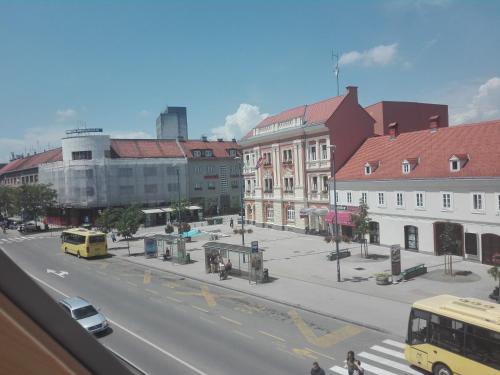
[(339, 370), (397, 344), (394, 353), (376, 370), (389, 363)]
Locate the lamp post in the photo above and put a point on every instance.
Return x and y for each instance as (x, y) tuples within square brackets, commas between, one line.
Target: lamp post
[(242, 182), (178, 199), (332, 148)]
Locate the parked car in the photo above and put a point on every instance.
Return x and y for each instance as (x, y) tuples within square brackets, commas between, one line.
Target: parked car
[(85, 314), (29, 227)]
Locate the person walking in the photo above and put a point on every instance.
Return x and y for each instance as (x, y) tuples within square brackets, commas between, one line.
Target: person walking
[(231, 223), (316, 370), (351, 363), (113, 237)]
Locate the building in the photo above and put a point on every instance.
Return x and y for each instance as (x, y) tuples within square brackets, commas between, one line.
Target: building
[(24, 170), (172, 123), (423, 183)]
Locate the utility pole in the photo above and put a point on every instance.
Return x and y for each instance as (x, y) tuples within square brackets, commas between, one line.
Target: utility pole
[(242, 203), (332, 148), (178, 199)]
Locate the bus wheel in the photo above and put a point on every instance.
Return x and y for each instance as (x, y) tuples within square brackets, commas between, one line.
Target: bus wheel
[(78, 256), (441, 369)]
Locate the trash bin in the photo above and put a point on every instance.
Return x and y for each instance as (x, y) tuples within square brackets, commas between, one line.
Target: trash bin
[(266, 275), (188, 258)]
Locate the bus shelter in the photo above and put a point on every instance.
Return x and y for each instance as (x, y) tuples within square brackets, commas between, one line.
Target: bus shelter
[(246, 264), (167, 246)]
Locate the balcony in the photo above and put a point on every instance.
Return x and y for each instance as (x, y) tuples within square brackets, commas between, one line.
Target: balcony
[(315, 195), (287, 162), (317, 164)]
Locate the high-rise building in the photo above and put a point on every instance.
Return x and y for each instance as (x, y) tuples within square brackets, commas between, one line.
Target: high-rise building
[(172, 123)]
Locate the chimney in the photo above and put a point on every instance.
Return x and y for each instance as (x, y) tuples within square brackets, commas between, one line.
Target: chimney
[(353, 91), (434, 122), (180, 138), (233, 140), (220, 140), (393, 129), (204, 138)]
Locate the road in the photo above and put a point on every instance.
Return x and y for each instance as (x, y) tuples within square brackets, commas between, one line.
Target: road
[(163, 323)]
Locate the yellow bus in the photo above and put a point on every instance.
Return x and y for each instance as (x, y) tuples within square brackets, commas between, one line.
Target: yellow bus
[(450, 335), (84, 243)]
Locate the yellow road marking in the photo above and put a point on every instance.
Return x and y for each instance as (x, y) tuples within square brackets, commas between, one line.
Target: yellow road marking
[(243, 334), (270, 335), (131, 283), (152, 291), (230, 320), (205, 293), (173, 299), (291, 353), (321, 354), (199, 308), (170, 285), (304, 353), (147, 277), (327, 340)]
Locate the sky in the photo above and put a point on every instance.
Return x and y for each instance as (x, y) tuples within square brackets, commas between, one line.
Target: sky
[(117, 64)]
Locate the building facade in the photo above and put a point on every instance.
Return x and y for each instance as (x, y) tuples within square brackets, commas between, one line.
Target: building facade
[(172, 124), (425, 186)]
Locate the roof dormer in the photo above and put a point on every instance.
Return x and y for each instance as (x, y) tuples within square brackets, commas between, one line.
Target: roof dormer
[(393, 129), (458, 161), (371, 166), (409, 164)]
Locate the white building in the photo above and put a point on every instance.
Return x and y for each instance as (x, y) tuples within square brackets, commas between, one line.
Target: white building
[(416, 182)]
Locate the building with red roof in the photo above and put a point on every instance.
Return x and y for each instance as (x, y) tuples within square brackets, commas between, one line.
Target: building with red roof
[(419, 183)]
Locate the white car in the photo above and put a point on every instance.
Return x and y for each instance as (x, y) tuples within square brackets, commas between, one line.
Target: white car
[(85, 314)]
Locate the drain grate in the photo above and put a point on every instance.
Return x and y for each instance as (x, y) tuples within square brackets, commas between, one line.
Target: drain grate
[(359, 269)]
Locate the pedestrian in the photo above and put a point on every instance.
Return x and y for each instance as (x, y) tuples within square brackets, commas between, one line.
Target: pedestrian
[(358, 370), (113, 237), (231, 223), (350, 363), (316, 370)]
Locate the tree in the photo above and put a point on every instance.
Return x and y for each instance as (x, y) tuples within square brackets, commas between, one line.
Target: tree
[(7, 200), (34, 200), (129, 220), (108, 219), (447, 244), (361, 223)]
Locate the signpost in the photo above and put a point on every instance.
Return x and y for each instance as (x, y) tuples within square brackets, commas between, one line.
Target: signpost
[(395, 260)]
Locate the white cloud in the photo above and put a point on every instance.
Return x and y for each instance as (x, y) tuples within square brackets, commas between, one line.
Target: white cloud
[(144, 113), (130, 135), (379, 55), (65, 114), (239, 123), (484, 105)]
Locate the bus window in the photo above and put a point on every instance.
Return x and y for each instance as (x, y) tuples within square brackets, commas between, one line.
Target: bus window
[(97, 239), (419, 327), (447, 333), (483, 346)]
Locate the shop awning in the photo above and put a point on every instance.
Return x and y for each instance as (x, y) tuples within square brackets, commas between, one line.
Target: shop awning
[(168, 209), (192, 208), (343, 216), (320, 211), (153, 211), (306, 211)]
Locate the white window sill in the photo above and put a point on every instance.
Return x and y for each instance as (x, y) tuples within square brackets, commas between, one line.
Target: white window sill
[(400, 207), (446, 210), (382, 206), (420, 208), (479, 212)]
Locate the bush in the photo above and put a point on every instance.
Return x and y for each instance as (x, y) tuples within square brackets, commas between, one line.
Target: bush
[(169, 229), (185, 227), (249, 231), (236, 231)]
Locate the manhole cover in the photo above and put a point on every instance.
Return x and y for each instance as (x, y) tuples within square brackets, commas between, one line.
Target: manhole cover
[(359, 269)]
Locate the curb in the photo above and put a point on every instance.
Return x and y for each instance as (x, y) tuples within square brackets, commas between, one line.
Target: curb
[(274, 300)]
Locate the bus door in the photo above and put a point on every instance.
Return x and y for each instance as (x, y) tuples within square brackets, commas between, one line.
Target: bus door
[(418, 331)]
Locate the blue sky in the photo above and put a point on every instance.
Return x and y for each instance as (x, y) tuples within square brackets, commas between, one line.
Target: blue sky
[(117, 64)]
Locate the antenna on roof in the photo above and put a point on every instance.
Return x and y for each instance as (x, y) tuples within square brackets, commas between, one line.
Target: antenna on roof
[(335, 59)]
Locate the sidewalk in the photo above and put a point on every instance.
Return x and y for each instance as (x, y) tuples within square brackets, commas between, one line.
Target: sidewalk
[(306, 279)]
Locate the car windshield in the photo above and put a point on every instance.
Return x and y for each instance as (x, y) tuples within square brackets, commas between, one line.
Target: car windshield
[(84, 312)]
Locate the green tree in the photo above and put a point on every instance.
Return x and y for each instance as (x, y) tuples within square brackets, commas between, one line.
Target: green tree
[(108, 219), (128, 221), (448, 245), (361, 223), (34, 200), (7, 200)]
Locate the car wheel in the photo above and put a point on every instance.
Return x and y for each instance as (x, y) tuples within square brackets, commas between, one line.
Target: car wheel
[(78, 254), (441, 369)]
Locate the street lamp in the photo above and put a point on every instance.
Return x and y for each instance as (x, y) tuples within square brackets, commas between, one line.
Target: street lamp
[(178, 199), (332, 148), (242, 182)]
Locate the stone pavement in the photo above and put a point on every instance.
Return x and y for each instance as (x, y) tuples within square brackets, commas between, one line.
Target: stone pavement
[(305, 278)]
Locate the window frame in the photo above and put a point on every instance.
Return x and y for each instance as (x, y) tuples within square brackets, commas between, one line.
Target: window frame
[(443, 207), (364, 197), (348, 196), (290, 213), (396, 195), (384, 202), (406, 168), (481, 200), (422, 207), (497, 203)]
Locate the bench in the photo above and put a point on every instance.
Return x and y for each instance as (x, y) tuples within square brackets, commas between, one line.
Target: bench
[(411, 272), (342, 254)]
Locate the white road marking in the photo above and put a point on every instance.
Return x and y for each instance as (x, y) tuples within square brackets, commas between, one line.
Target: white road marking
[(132, 333), (397, 344), (389, 363), (339, 370), (376, 370), (394, 353)]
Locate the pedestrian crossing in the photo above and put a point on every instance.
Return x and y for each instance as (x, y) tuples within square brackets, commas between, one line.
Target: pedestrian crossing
[(17, 239), (386, 358)]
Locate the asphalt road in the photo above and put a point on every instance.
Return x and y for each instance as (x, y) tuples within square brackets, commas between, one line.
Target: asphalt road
[(165, 324)]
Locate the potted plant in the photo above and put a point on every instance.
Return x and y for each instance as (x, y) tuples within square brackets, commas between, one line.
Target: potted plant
[(383, 278)]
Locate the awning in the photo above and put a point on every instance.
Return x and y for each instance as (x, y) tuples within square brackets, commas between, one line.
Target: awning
[(305, 211), (320, 211), (153, 211), (192, 208), (343, 216), (167, 209)]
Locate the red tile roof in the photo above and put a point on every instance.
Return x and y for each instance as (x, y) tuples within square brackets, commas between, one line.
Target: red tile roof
[(283, 116), (146, 148), (33, 161), (220, 149), (433, 150)]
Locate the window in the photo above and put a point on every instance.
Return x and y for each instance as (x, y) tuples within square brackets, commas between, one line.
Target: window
[(349, 197), (90, 191), (290, 213), (497, 202), (336, 197), (267, 159), (288, 184), (197, 170), (151, 189), (150, 171), (197, 187), (478, 202), (483, 346), (125, 172), (81, 155), (406, 168), (270, 212), (31, 179), (314, 184), (364, 198), (419, 200), (368, 170), (126, 189), (419, 327), (232, 152), (235, 184), (381, 200), (325, 184), (211, 186), (446, 333), (454, 165), (399, 200), (268, 185), (287, 156), (172, 171), (312, 153), (324, 152), (471, 243), (209, 153), (210, 169), (446, 201), (197, 153), (89, 173)]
